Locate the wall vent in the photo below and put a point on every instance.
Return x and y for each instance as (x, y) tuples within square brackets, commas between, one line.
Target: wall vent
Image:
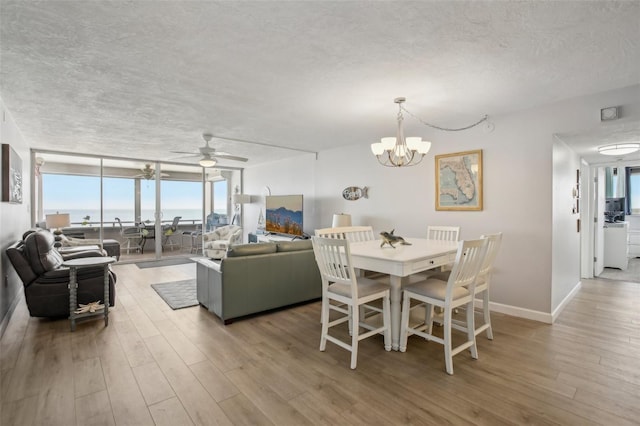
[(609, 113)]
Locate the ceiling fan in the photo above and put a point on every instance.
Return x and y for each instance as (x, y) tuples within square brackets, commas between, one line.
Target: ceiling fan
[(148, 173), (209, 155)]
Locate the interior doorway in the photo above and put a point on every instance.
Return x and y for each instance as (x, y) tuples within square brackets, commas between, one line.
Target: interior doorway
[(612, 230)]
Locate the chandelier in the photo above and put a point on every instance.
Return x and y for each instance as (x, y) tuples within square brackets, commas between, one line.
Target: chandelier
[(401, 151)]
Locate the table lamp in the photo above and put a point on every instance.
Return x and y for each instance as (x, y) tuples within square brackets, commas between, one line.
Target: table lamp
[(57, 221), (340, 220)]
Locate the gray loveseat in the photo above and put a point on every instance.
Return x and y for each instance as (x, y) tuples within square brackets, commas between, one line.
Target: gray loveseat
[(259, 277)]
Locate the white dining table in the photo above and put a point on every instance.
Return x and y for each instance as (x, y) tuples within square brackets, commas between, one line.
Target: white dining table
[(401, 262)]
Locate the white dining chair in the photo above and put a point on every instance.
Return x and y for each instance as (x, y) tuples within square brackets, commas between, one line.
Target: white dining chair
[(340, 284), (448, 295), (352, 234), (482, 288), (443, 233), (484, 280)]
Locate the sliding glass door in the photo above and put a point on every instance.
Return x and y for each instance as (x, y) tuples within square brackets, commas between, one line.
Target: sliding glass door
[(152, 209)]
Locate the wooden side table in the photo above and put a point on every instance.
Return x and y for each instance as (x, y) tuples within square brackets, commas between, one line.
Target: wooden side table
[(86, 262)]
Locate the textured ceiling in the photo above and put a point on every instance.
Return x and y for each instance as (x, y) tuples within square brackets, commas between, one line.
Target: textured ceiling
[(141, 79)]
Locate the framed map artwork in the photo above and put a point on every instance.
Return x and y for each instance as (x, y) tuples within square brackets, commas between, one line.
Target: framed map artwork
[(459, 181)]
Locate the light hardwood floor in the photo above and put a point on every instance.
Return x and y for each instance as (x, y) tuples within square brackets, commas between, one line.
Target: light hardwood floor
[(153, 365)]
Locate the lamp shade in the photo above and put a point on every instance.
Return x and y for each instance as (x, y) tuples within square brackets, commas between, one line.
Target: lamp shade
[(241, 198), (340, 220), (58, 220)]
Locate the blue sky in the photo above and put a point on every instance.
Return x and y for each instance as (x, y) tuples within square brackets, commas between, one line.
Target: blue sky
[(64, 192)]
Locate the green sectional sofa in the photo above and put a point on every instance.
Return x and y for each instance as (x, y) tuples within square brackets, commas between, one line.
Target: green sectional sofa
[(258, 277)]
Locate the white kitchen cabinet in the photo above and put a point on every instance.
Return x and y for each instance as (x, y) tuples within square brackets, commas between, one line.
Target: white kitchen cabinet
[(616, 246)]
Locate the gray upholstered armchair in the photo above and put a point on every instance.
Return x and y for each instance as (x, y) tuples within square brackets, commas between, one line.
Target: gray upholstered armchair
[(45, 280)]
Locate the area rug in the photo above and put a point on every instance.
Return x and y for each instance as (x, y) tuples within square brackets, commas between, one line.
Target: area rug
[(164, 262), (178, 294)]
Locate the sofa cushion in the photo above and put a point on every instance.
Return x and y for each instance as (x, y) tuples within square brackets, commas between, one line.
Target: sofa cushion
[(222, 233), (294, 245), (26, 234), (40, 252), (20, 262), (251, 249)]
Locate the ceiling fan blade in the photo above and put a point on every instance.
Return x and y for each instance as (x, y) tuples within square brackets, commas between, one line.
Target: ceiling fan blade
[(186, 152), (186, 156), (228, 157)]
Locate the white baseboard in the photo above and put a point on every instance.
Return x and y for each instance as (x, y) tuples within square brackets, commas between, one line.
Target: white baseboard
[(557, 311), (515, 311)]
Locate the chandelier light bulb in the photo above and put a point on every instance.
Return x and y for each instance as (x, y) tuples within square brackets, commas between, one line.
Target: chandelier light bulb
[(377, 148), (388, 143)]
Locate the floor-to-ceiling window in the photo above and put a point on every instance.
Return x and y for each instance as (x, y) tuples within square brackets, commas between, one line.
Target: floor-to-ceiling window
[(633, 189), (104, 197), (83, 207), (220, 208)]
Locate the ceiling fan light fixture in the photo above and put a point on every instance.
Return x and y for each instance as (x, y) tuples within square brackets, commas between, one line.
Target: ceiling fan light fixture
[(207, 161), (619, 148)]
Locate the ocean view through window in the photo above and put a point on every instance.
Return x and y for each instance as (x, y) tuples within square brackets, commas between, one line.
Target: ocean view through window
[(95, 191), (179, 198)]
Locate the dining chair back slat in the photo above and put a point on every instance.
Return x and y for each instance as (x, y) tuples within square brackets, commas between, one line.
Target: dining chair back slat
[(484, 280), (493, 245), (469, 258)]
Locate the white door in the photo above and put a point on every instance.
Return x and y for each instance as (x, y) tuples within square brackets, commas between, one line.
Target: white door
[(598, 222)]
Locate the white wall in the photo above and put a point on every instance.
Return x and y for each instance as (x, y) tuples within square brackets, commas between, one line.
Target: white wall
[(519, 170), (14, 218), (566, 238), (286, 177), (404, 199)]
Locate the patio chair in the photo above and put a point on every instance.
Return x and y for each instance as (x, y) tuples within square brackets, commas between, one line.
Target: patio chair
[(129, 234), (169, 231)]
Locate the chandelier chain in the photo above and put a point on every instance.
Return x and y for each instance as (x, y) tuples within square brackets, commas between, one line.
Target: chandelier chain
[(446, 129)]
